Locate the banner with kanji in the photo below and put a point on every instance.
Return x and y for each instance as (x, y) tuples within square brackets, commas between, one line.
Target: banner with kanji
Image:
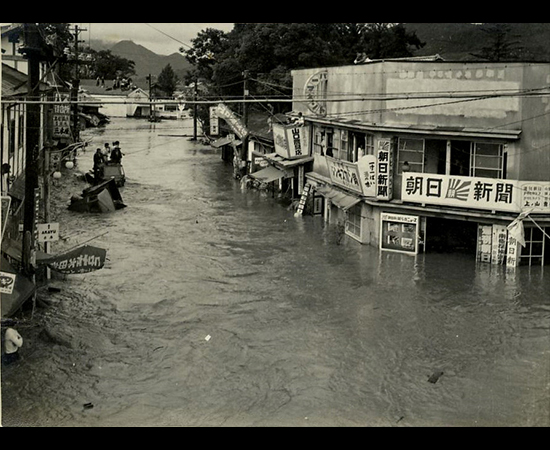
[(476, 192), (81, 260)]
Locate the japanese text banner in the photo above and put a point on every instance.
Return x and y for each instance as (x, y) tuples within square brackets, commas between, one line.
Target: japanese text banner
[(465, 192), (81, 260)]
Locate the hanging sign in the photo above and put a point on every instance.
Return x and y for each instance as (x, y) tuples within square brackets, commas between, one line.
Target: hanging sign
[(81, 260), (232, 120)]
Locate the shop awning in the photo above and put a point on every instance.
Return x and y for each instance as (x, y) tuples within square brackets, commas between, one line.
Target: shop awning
[(225, 141), (338, 198), (22, 289), (268, 174)]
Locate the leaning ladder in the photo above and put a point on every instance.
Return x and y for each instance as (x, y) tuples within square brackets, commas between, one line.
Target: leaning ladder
[(303, 199)]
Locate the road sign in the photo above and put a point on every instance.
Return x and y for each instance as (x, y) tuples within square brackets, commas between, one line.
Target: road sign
[(48, 232)]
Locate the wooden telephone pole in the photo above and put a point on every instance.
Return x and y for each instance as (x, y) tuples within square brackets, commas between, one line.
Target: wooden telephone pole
[(33, 53), (76, 84)]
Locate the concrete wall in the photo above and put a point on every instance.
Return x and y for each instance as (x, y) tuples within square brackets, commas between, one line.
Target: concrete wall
[(446, 84)]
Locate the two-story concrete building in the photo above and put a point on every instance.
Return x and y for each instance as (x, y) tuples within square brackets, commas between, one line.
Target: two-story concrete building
[(418, 155)]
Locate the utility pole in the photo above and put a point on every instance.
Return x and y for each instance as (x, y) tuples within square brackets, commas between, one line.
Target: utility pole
[(245, 114), (76, 85), (33, 53), (148, 78), (195, 109)]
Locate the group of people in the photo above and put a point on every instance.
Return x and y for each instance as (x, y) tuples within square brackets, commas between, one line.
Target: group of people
[(104, 156)]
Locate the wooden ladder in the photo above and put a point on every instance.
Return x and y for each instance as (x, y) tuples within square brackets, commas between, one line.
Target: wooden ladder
[(303, 199)]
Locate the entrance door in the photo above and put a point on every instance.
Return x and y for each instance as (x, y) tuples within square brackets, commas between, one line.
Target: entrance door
[(451, 236)]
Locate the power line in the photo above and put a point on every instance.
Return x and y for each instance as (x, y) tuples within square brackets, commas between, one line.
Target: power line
[(167, 35)]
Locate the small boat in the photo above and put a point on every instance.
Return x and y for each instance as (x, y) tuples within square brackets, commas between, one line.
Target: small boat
[(110, 170), (104, 197)]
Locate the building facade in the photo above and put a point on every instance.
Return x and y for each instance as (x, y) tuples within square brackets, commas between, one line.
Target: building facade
[(415, 156)]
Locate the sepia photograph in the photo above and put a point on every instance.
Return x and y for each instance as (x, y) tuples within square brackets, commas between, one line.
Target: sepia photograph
[(283, 225)]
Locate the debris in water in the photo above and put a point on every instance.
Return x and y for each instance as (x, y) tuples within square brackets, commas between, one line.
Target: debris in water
[(435, 376), (88, 405), (207, 338)]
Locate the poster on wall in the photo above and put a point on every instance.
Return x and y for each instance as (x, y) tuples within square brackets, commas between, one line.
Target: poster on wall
[(399, 233)]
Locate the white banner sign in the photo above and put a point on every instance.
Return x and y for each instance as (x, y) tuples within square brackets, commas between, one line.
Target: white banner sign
[(47, 232), (478, 193), (344, 174)]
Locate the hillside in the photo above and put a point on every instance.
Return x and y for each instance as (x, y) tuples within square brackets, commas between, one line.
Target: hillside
[(458, 41), (148, 62)]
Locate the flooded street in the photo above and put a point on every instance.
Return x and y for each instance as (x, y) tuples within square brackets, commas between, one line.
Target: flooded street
[(217, 307)]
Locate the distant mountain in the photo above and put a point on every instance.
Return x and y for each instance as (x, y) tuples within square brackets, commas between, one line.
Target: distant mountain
[(146, 61), (459, 41)]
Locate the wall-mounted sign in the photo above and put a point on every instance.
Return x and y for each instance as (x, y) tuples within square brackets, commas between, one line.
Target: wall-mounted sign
[(315, 91), (399, 233), (384, 170), (367, 172), (214, 121), (61, 117), (479, 193), (344, 174), (7, 282)]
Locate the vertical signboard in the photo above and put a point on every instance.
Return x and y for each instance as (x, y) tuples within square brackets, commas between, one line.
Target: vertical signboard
[(315, 92), (384, 170), (6, 202), (214, 121), (297, 138), (513, 251), (484, 243), (498, 244), (399, 233), (61, 117)]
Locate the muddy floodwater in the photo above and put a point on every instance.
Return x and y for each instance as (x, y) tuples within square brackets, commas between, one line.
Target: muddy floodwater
[(217, 307)]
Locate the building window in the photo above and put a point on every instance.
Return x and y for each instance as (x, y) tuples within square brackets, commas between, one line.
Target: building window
[(486, 160), (534, 250), (466, 158), (410, 153), (353, 222)]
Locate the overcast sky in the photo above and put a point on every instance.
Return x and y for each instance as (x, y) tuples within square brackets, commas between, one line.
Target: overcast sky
[(161, 38)]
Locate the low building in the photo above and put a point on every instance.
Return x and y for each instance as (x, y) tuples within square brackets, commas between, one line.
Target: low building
[(427, 155)]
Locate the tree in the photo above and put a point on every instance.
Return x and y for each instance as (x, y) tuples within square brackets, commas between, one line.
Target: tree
[(167, 81), (500, 44), (388, 40), (105, 64)]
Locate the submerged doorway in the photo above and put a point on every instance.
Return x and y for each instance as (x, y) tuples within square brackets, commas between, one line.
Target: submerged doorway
[(450, 236)]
